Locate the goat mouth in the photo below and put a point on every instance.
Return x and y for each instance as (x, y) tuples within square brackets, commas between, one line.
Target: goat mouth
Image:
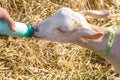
[(37, 37)]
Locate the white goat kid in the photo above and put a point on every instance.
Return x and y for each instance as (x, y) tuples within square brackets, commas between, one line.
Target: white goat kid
[(69, 26)]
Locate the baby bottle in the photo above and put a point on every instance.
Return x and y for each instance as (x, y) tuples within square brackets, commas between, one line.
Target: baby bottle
[(22, 30)]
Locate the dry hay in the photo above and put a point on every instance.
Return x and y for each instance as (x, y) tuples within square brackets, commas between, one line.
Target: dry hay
[(31, 59)]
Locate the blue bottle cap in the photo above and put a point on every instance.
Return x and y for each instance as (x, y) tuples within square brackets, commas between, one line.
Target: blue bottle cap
[(30, 31)]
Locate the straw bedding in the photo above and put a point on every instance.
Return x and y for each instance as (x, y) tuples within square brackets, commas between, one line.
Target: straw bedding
[(32, 59)]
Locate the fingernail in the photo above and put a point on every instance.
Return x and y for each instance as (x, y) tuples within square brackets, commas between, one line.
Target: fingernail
[(14, 28)]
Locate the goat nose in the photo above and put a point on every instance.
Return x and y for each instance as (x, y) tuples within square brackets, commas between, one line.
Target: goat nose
[(36, 29)]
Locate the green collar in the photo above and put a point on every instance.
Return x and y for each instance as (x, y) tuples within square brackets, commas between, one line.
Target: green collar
[(110, 41)]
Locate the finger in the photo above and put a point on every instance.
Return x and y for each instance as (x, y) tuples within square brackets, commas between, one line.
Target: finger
[(10, 21)]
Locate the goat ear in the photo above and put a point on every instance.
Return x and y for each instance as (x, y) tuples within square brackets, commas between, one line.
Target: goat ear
[(89, 34), (95, 13), (93, 37)]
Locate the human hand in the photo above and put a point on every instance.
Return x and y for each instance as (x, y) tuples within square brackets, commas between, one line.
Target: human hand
[(5, 16)]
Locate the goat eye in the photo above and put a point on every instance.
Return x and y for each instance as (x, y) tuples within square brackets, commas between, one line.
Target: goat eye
[(59, 29)]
